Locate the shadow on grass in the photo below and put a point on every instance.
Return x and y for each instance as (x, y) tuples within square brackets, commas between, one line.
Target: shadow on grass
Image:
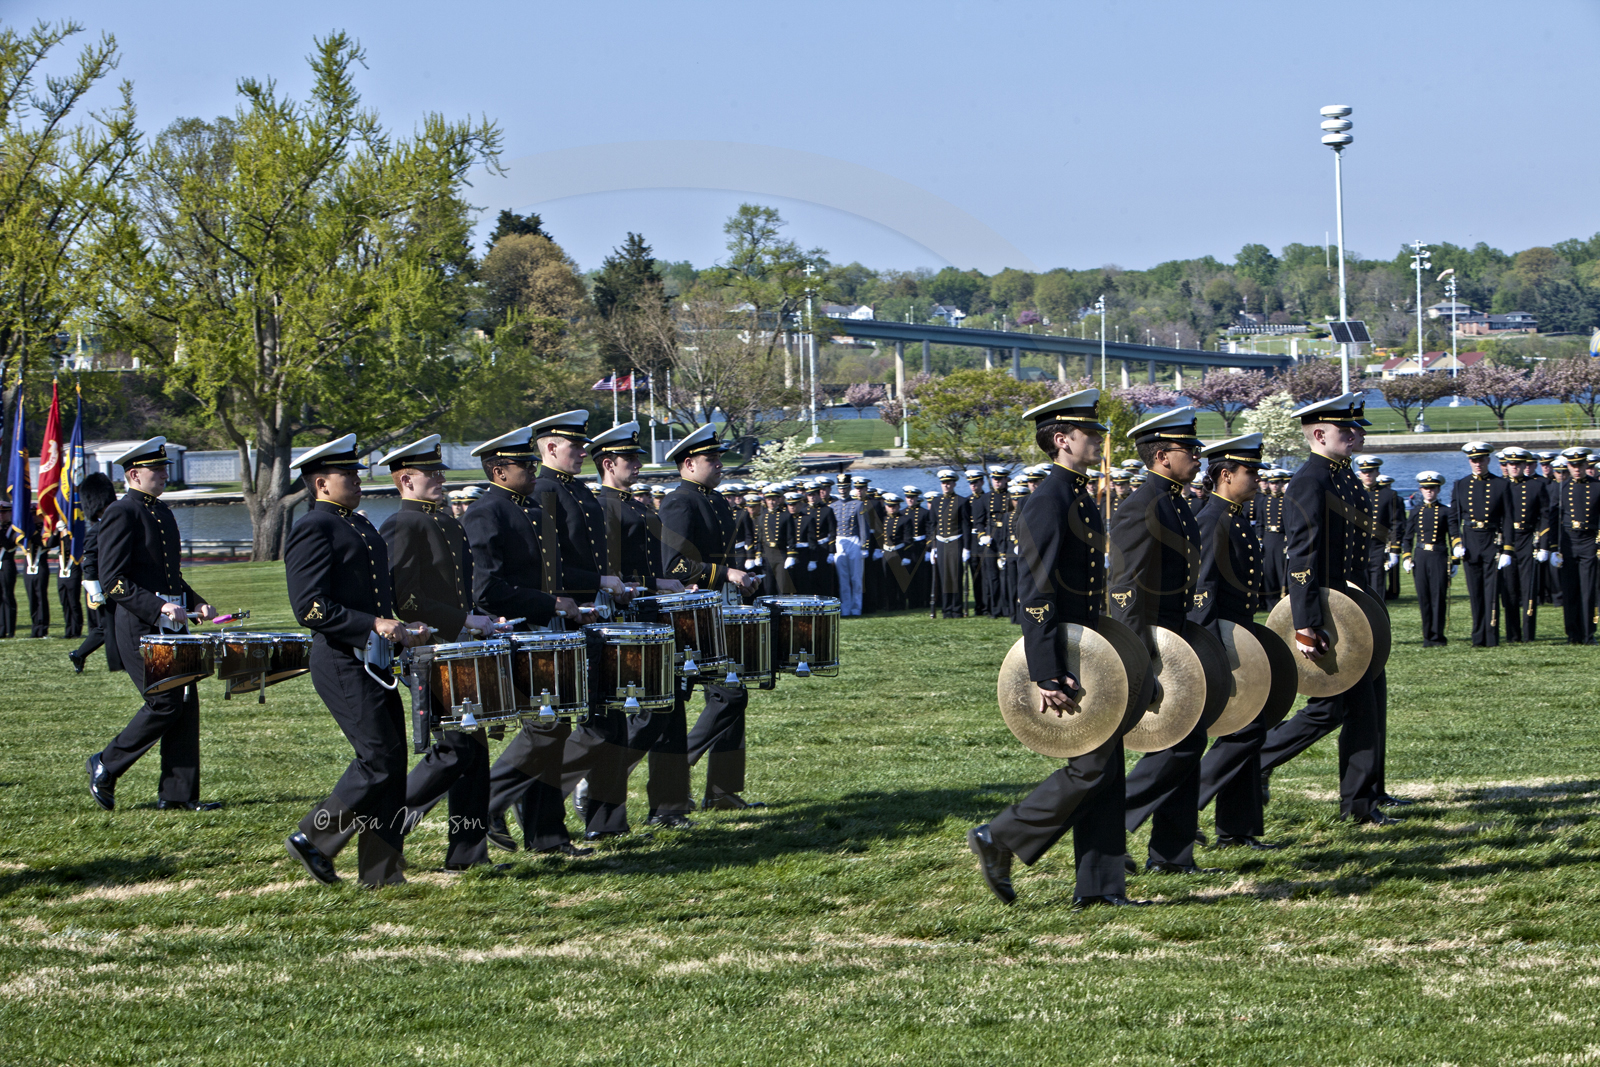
[(92, 874)]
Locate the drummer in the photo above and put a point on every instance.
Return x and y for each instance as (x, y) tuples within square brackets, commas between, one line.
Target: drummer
[(141, 574), (1062, 580), (1230, 589), (510, 573), (430, 564), (1155, 561), (633, 540), (337, 568), (697, 535)]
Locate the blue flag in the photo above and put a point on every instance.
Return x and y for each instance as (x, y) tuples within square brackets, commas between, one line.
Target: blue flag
[(71, 503), (17, 479)]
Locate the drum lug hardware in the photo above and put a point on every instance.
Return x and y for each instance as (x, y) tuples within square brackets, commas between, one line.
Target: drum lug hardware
[(547, 714), (633, 692), (733, 676), (465, 710), (802, 662), (689, 665)]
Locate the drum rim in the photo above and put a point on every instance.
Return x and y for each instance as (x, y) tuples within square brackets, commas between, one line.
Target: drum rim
[(800, 599), (523, 640), (650, 630), (746, 611), (703, 596), (457, 649), (178, 639)]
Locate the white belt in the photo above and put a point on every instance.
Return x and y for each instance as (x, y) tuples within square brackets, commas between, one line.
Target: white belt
[(802, 544), (956, 537), (852, 539)]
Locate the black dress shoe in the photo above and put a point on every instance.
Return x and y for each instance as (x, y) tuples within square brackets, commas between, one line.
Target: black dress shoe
[(670, 822), (994, 863), (601, 835), (1388, 801), (729, 802), (1159, 867), (1266, 787), (77, 664), (1378, 818), (316, 864), (1200, 838), (1129, 865), (499, 835), (102, 786), (566, 849), (188, 805), (1224, 841), (1111, 900)]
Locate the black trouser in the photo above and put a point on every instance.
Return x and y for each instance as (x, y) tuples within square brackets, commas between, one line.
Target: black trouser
[(1356, 715), (8, 595), (1273, 559), (920, 580), (719, 736), (952, 589), (980, 591), (993, 600), (1431, 575), (369, 800), (1377, 576), (664, 737), (1519, 590), (598, 751), (95, 637), (69, 591), (1483, 590), (1008, 588), (38, 585), (171, 718), (1164, 787), (1085, 796), (775, 581), (456, 765), (1580, 586), (528, 773), (1230, 773)]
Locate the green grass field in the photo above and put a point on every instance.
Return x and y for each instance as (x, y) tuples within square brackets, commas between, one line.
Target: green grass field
[(845, 923)]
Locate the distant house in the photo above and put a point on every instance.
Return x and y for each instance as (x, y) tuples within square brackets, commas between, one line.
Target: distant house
[(1430, 363), (1442, 363), (847, 311), (1511, 322), (1444, 308), (952, 316)]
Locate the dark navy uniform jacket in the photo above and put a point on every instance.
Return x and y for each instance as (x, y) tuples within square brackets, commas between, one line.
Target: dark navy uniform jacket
[(1232, 567), (697, 534), (633, 536), (139, 556), (1325, 519), (580, 523), (1061, 569), (1155, 557), (337, 567), (430, 565), (515, 555)]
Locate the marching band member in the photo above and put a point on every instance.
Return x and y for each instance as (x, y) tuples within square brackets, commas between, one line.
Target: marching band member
[(141, 571), (1528, 531), (697, 533), (430, 567), (917, 551), (1062, 580), (1429, 542), (1479, 503), (775, 544), (1383, 551), (849, 560), (1155, 559), (949, 522), (97, 493), (1578, 519), (978, 540), (337, 568), (1269, 517)]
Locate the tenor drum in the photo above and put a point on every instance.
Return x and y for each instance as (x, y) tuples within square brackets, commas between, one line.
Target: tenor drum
[(550, 676), (468, 682), (749, 632), (805, 634), (696, 619), (249, 661), (631, 666), (173, 660)]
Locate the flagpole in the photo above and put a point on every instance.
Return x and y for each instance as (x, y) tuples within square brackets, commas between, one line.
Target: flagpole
[(651, 383), (614, 420), (633, 393)]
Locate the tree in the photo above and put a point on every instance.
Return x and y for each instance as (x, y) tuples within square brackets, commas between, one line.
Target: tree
[(1502, 388), (1312, 379), (1414, 391), (510, 224), (973, 417), (1228, 394), (1576, 380), (862, 395), (1257, 263), (720, 365), (763, 269), (532, 291), (1273, 418), (61, 188), (1147, 397), (778, 461), (299, 270)]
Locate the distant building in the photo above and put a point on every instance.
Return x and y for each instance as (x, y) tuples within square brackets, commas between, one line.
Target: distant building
[(1444, 308), (1431, 363), (1511, 322), (847, 311), (952, 316), (1275, 325)]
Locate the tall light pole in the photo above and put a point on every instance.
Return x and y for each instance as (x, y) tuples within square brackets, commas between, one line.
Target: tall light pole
[(1455, 360), (1336, 135), (1419, 263), (811, 337), (1100, 306)]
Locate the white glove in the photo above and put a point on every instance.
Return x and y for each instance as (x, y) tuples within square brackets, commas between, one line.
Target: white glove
[(985, 540), (750, 564), (1505, 561), (1408, 566), (1543, 555), (877, 553), (1001, 563), (832, 556), (966, 555), (905, 563), (1556, 560), (788, 563), (1460, 552), (933, 554), (1394, 561), (811, 566), (1453, 568)]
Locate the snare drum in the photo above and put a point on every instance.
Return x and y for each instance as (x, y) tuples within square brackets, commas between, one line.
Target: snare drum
[(805, 634), (249, 661), (631, 665), (697, 628), (173, 660), (550, 676), (468, 682), (749, 632)]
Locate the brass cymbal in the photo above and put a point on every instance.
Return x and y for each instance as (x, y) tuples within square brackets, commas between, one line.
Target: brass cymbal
[(1214, 664), (1378, 618), (1136, 661), (1285, 676), (1102, 700), (1180, 697), (1350, 644), (1250, 681)]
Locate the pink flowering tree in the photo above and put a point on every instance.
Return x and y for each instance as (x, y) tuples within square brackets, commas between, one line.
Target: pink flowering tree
[(1500, 388), (862, 395), (1147, 397), (1228, 394), (1576, 381)]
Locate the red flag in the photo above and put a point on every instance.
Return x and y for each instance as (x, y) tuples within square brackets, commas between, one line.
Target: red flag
[(50, 466)]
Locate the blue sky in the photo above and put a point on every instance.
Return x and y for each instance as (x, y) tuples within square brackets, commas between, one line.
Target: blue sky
[(1082, 134)]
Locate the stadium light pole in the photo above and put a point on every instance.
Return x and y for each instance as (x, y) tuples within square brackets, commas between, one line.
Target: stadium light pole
[(1455, 358), (1336, 135), (1100, 306)]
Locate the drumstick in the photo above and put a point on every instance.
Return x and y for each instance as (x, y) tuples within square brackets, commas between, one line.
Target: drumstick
[(217, 620)]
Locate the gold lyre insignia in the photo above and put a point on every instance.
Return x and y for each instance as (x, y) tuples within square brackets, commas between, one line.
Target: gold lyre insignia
[(1122, 598), (411, 602), (1038, 613), (1200, 599), (120, 589), (315, 614), (1301, 576), (680, 567)]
